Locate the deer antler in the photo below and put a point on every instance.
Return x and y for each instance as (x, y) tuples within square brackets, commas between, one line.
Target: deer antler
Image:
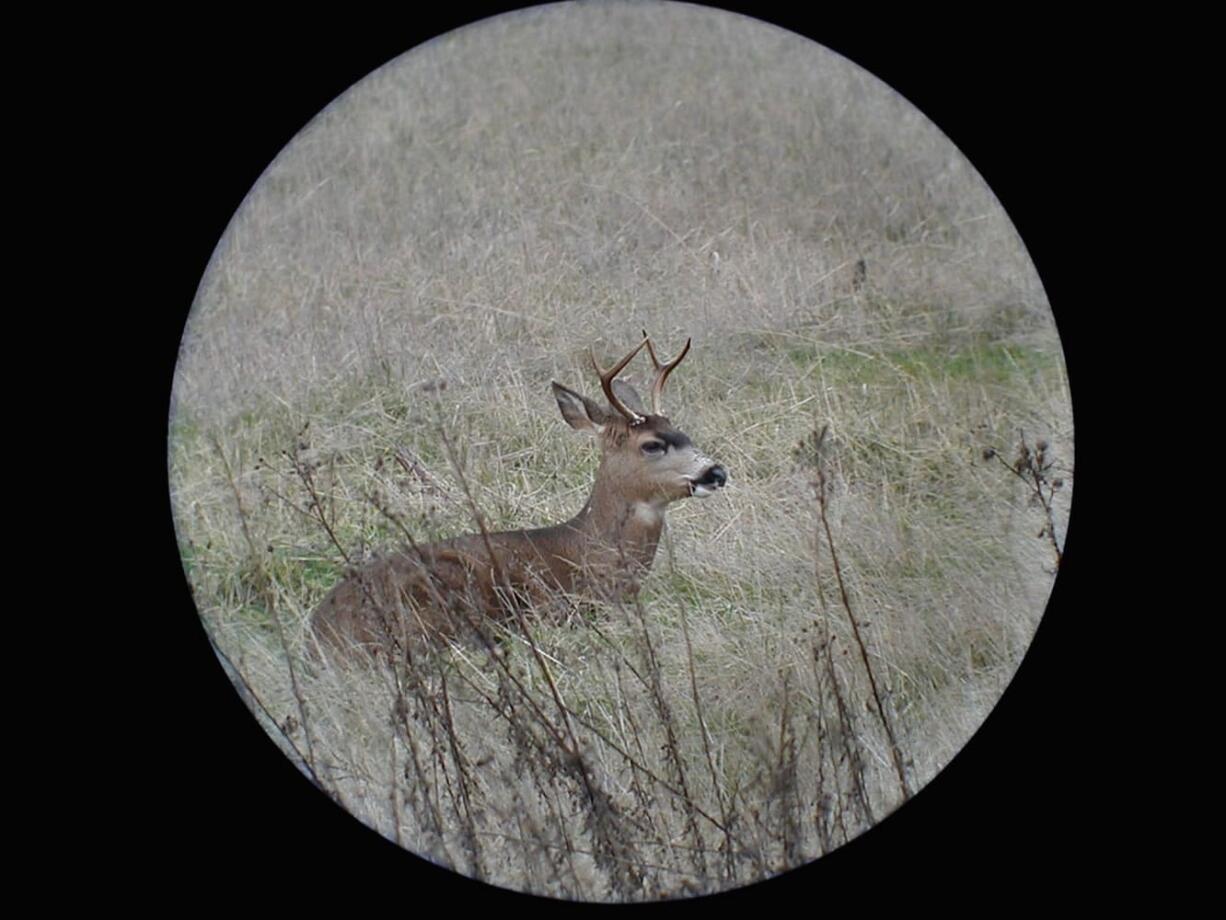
[(606, 382), (662, 372)]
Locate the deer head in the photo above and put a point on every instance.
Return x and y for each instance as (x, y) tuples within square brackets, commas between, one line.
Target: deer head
[(644, 459)]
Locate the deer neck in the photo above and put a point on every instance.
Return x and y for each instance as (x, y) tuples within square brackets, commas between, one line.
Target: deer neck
[(612, 520)]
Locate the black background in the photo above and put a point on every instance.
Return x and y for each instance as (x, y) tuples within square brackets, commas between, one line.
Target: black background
[(1016, 817)]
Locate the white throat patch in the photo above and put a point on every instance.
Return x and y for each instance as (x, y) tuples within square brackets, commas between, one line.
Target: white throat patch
[(648, 513)]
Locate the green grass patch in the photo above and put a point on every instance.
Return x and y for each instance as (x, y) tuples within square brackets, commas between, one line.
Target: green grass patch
[(985, 363)]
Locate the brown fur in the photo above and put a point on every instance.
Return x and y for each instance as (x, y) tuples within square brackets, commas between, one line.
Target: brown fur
[(445, 590)]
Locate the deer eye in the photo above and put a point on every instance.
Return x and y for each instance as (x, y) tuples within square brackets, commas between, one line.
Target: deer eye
[(654, 448)]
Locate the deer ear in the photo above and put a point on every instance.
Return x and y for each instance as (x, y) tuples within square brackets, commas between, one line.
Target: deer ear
[(580, 412)]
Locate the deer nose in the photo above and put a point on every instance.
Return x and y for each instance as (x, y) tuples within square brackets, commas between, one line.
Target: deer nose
[(717, 476)]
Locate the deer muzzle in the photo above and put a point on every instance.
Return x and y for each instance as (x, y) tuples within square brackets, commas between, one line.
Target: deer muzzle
[(713, 477)]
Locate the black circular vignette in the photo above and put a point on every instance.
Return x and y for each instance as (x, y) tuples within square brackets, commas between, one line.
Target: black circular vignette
[(1013, 812)]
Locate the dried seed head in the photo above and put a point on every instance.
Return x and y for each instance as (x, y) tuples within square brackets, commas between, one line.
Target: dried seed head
[(989, 453), (1057, 484)]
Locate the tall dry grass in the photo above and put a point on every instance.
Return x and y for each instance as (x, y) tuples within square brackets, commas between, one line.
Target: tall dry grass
[(814, 644)]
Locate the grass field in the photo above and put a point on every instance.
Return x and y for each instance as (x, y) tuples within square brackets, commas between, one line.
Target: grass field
[(454, 233)]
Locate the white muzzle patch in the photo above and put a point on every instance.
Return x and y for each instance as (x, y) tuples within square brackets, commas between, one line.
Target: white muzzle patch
[(710, 480)]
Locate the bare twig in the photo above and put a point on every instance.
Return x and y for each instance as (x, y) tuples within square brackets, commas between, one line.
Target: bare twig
[(270, 601), (822, 500), (1032, 467)]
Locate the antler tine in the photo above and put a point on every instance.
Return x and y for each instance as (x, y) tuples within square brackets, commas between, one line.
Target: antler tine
[(606, 381), (662, 371)]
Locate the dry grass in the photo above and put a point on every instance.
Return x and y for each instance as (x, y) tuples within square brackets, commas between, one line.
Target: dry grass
[(452, 235)]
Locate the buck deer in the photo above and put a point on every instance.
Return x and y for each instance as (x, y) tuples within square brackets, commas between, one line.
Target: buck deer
[(436, 590)]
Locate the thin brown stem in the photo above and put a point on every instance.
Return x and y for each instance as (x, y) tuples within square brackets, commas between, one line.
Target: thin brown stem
[(895, 751)]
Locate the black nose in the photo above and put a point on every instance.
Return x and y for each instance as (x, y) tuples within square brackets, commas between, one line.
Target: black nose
[(717, 475)]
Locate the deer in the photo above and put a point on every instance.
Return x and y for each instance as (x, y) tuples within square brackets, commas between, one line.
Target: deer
[(437, 592)]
